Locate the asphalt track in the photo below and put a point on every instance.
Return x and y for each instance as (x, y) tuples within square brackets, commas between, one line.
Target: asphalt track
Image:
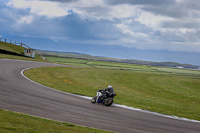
[(21, 95)]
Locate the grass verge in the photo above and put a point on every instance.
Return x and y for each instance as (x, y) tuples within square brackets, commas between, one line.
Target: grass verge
[(11, 122)]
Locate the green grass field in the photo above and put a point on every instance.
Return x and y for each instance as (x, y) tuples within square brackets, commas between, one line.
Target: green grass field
[(156, 91), (11, 122), (125, 66)]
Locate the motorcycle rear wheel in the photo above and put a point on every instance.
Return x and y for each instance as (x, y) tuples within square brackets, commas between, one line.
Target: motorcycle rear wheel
[(108, 101)]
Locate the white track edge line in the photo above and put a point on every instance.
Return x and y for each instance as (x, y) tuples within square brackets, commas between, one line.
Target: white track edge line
[(114, 104)]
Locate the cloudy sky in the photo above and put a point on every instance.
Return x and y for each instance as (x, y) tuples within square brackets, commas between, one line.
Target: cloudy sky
[(154, 30)]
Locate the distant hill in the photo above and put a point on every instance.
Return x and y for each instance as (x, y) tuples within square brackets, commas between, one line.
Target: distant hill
[(130, 61)]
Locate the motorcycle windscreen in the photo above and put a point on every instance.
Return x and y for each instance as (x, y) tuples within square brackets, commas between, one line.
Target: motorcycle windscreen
[(111, 90)]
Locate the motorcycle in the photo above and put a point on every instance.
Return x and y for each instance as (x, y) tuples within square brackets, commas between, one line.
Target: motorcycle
[(104, 97)]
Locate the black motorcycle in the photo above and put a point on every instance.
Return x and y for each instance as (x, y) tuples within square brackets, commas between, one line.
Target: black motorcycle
[(104, 96)]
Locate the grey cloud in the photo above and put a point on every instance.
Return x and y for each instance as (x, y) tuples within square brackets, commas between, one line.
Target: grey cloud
[(191, 4), (141, 2), (177, 24), (176, 10), (169, 11), (64, 1)]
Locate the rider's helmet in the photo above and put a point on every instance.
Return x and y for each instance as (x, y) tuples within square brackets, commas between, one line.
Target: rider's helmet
[(110, 89), (109, 86)]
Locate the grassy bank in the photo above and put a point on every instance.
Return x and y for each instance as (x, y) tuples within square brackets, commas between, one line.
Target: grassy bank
[(11, 122), (11, 51), (154, 91)]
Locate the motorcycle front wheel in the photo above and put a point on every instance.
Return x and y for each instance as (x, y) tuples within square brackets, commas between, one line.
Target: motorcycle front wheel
[(93, 100), (108, 101)]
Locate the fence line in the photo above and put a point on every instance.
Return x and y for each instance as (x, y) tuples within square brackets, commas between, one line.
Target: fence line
[(15, 43), (27, 52)]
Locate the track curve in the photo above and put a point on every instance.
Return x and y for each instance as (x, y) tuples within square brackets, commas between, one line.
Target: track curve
[(20, 95)]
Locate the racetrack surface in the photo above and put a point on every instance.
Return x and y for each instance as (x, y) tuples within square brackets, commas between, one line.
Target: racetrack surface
[(21, 95)]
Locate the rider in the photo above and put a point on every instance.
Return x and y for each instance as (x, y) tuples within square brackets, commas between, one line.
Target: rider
[(104, 91)]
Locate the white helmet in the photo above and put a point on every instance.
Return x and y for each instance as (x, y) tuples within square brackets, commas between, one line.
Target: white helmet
[(109, 86)]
